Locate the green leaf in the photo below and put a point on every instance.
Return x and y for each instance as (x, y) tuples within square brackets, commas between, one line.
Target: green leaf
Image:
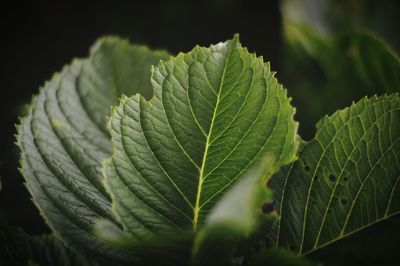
[(163, 250), (18, 248), (343, 67), (215, 112), (329, 17), (235, 217), (242, 205), (63, 140), (373, 61), (370, 61), (345, 179)]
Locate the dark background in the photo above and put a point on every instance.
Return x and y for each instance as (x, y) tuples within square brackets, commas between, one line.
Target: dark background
[(39, 37)]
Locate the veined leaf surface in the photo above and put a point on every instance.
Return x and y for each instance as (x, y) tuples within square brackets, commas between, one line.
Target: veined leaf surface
[(346, 178), (215, 112), (236, 216), (63, 140)]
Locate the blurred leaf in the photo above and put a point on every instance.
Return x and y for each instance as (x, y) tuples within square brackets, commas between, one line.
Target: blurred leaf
[(163, 250), (18, 248), (324, 74), (331, 17), (278, 257), (235, 217)]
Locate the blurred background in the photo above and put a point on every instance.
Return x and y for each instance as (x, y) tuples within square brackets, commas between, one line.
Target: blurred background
[(327, 53)]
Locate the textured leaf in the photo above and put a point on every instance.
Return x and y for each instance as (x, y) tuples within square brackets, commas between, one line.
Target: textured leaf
[(63, 140), (18, 248), (346, 178), (215, 112), (242, 204), (235, 217)]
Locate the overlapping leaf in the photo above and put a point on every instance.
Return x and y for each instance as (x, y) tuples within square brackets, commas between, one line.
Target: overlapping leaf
[(63, 140), (215, 112), (346, 178), (235, 218)]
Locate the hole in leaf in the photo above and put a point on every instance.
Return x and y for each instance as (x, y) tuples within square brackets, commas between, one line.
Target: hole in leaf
[(332, 178), (343, 201), (268, 207)]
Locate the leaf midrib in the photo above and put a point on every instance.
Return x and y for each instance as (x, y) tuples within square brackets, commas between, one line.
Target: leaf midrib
[(197, 206)]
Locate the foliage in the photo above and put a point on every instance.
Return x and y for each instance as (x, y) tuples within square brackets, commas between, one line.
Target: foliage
[(136, 157)]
